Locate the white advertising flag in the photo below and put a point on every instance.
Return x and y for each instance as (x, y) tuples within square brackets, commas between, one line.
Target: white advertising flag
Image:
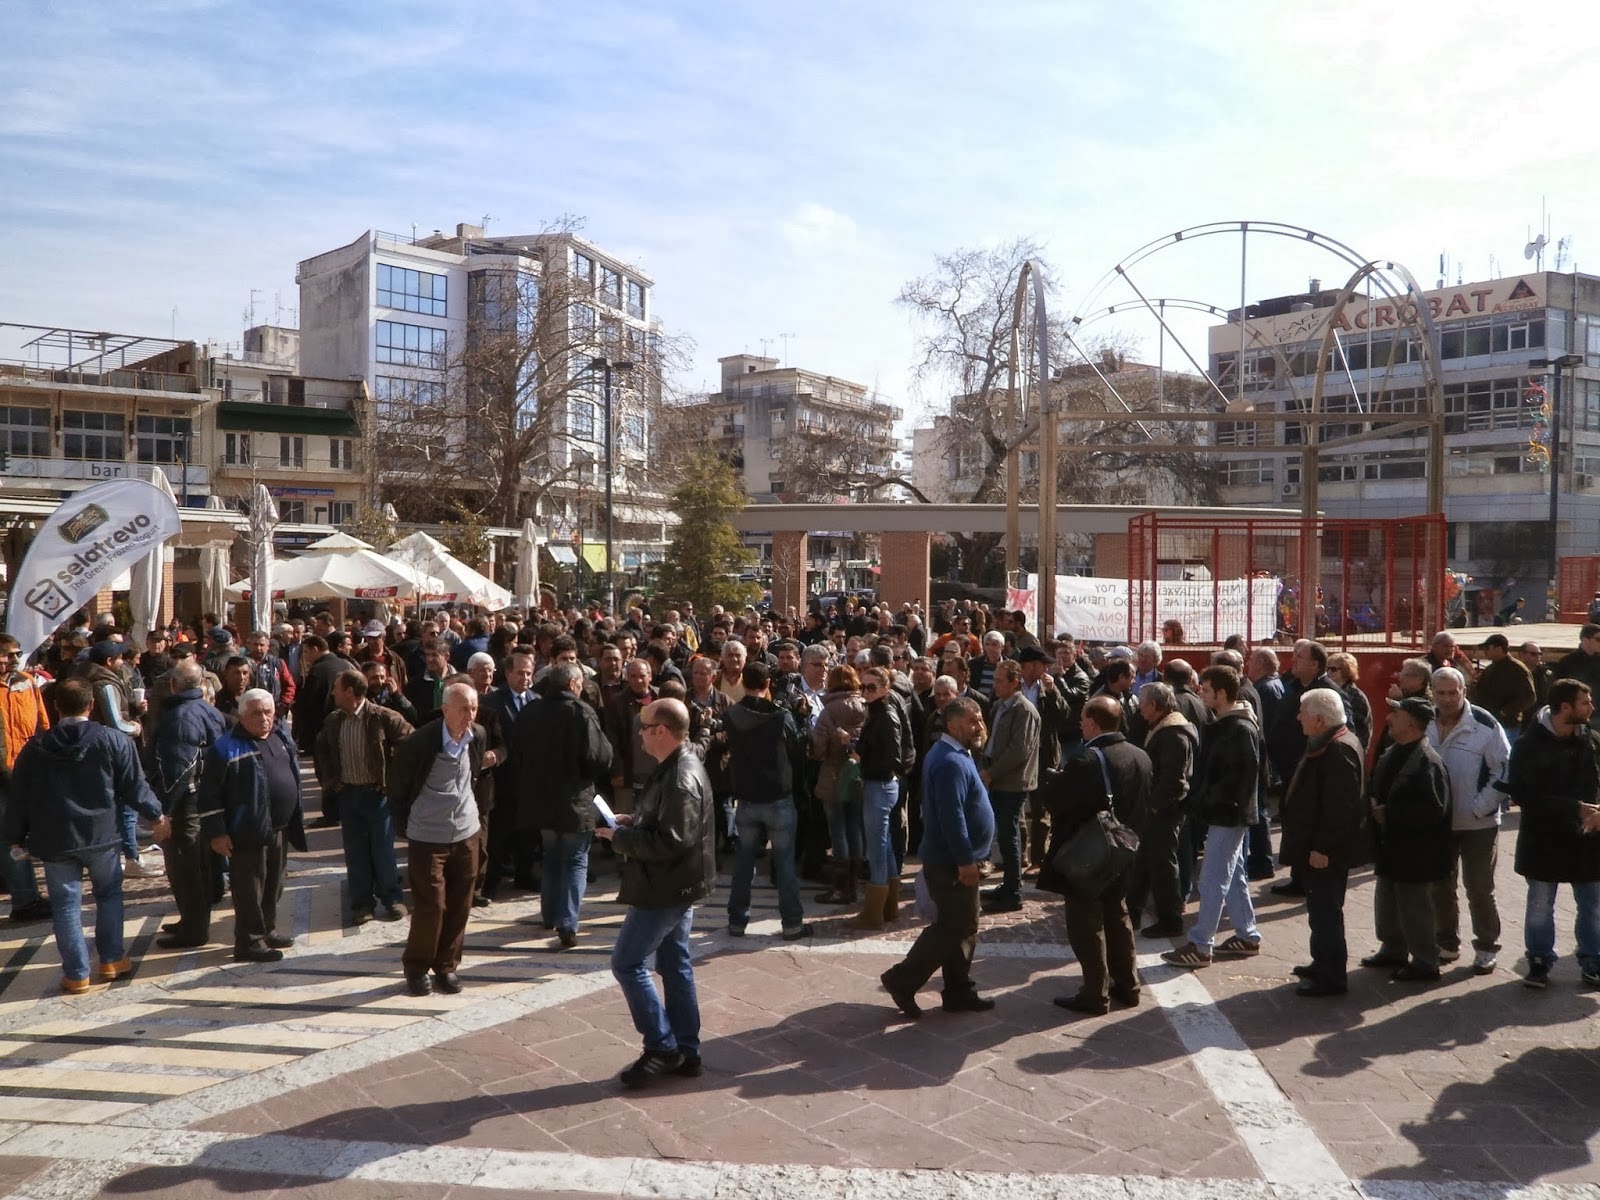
[(94, 537)]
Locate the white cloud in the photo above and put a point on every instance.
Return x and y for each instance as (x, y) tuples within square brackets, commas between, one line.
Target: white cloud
[(814, 229)]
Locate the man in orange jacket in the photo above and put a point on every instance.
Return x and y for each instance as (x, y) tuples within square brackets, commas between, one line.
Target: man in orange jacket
[(22, 714)]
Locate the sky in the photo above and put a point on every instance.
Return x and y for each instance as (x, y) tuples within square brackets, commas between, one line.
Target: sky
[(783, 169)]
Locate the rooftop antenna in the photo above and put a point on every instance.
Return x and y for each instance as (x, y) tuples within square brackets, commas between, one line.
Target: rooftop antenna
[(766, 344), (254, 292), (1442, 268), (486, 219), (786, 337), (1534, 251), (1494, 267), (1563, 252)]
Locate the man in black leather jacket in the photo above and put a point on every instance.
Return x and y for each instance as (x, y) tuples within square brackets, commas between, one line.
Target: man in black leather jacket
[(668, 848)]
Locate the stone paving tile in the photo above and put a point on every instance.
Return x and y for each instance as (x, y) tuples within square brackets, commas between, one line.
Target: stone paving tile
[(204, 1183), (16, 1171)]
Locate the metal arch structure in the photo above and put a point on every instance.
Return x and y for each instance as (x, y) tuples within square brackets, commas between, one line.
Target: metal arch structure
[(1030, 278)]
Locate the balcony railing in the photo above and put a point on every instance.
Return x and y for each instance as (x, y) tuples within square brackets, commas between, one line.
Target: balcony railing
[(128, 379), (308, 462)]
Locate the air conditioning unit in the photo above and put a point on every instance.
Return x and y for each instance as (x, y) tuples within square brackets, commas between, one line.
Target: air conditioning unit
[(1585, 481), (1289, 491)]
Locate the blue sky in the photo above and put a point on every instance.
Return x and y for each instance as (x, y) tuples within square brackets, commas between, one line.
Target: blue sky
[(777, 168)]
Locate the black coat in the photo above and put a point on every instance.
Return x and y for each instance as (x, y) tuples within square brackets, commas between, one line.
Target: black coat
[(559, 752), (1172, 746), (1548, 778), (1324, 804), (1232, 775), (1077, 792), (1412, 843), (669, 852), (414, 758), (884, 742)]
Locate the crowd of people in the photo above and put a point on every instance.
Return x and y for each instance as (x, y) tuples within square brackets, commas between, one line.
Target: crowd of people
[(501, 753)]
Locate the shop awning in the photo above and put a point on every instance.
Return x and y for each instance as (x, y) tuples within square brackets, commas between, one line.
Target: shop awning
[(256, 417), (595, 557), (565, 556)]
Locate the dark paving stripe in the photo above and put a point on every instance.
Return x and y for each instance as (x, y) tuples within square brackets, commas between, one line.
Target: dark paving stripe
[(41, 1093), (298, 1006), (115, 1039), (20, 958)]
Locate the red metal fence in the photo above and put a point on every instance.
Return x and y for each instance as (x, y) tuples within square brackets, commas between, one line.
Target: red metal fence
[(1374, 582)]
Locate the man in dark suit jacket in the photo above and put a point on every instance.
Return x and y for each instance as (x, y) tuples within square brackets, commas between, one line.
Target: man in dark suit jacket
[(507, 852), (1098, 927), (480, 672), (313, 701), (560, 751), (426, 691)]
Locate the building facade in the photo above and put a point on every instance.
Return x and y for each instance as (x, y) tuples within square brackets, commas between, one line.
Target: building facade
[(406, 315), (1491, 334)]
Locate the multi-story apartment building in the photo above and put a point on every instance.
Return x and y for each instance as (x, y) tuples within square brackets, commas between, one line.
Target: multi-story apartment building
[(406, 315), (800, 435), (304, 437), (1490, 334)]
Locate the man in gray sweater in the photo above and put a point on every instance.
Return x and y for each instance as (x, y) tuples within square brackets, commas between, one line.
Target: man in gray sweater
[(433, 795)]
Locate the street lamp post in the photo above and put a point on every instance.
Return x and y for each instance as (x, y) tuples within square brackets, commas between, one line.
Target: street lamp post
[(1560, 364), (607, 365)]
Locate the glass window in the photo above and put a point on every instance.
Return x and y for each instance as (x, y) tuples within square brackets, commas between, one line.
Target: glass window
[(611, 287), (291, 451), (1477, 340), (25, 432), (93, 435), (293, 511), (635, 298), (583, 267), (1452, 343), (341, 453), (410, 345), (161, 439), (633, 433), (340, 511), (580, 418), (236, 449), (412, 291)]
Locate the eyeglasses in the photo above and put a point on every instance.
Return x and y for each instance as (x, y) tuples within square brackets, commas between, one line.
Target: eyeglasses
[(868, 688)]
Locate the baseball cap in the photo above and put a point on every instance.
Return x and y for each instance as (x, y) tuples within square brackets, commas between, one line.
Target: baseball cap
[(373, 629), (1415, 707), (221, 636)]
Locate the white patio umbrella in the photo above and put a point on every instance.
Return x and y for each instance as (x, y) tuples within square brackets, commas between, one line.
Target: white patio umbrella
[(346, 567), (462, 584), (263, 521), (214, 566), (144, 588), (528, 566)]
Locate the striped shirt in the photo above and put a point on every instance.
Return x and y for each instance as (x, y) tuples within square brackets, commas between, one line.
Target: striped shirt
[(357, 767)]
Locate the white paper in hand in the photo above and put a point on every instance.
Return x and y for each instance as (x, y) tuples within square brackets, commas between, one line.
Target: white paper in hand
[(603, 811)]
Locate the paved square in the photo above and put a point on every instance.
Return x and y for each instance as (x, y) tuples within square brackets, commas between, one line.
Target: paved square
[(318, 1076)]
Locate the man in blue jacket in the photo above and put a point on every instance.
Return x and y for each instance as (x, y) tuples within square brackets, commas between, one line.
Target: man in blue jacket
[(68, 788), (250, 811), (957, 835)]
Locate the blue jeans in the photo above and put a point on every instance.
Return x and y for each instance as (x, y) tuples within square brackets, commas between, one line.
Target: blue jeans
[(1223, 883), (368, 836), (844, 830), (756, 824), (65, 881), (881, 795), (663, 932), (1008, 836), (128, 821), (566, 871), (1540, 926)]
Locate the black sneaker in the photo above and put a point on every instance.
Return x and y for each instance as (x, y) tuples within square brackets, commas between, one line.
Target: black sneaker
[(799, 933), (652, 1066), (690, 1067), (1538, 976), (34, 910)]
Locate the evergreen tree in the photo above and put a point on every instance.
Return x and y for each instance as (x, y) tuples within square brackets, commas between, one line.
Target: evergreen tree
[(705, 556)]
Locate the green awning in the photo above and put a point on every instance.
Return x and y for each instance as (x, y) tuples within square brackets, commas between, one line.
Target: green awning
[(252, 416)]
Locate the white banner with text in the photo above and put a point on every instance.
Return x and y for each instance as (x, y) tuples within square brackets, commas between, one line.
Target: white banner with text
[(1096, 610)]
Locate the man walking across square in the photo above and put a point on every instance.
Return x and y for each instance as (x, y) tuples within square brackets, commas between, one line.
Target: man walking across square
[(1010, 773), (957, 835)]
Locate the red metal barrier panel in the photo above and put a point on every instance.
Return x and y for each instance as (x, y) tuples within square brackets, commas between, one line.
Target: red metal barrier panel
[(1350, 583)]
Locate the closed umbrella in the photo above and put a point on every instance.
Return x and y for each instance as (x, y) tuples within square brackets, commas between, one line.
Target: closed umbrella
[(263, 521), (145, 586), (528, 566), (214, 569)]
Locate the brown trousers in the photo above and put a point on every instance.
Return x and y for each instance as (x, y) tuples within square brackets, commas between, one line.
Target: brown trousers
[(441, 878), (1102, 937)]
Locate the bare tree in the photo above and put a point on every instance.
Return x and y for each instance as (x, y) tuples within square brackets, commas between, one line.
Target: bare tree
[(519, 412)]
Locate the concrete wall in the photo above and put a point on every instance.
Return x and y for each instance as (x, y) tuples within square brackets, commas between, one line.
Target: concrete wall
[(336, 314)]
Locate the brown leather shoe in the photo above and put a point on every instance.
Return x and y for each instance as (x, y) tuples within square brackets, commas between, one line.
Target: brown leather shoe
[(112, 971)]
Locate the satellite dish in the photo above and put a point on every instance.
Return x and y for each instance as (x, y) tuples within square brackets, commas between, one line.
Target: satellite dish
[(1534, 247)]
